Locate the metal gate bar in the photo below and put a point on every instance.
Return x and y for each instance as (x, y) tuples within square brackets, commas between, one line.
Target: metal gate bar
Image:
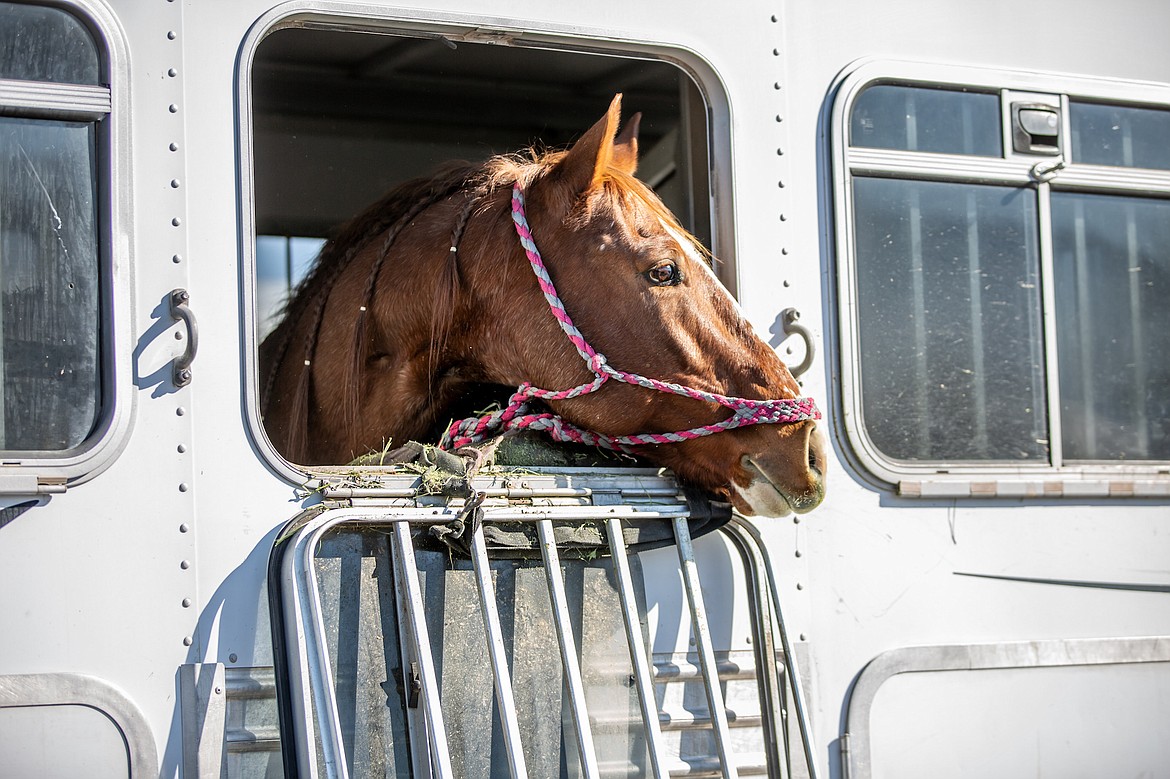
[(495, 636), (792, 671), (430, 745), (320, 670), (774, 721), (646, 698), (406, 569), (556, 591), (702, 633)]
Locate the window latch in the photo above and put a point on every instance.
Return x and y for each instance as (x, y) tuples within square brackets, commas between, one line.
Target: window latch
[(1036, 128)]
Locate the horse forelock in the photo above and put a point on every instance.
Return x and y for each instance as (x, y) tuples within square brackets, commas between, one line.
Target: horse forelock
[(634, 198)]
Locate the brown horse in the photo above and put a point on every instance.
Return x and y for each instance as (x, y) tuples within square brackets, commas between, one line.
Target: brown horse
[(428, 295)]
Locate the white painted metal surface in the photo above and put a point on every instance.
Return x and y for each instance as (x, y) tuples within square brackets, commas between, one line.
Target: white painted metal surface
[(157, 557)]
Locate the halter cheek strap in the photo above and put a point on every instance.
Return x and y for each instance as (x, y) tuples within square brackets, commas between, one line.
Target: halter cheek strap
[(518, 414)]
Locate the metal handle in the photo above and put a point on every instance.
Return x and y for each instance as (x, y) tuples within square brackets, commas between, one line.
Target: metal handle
[(790, 318), (181, 368)]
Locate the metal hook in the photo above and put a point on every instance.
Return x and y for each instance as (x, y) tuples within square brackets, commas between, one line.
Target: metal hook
[(1046, 170), (181, 368), (789, 318)]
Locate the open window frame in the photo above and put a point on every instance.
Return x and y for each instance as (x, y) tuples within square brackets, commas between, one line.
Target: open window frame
[(711, 151), (1053, 474)]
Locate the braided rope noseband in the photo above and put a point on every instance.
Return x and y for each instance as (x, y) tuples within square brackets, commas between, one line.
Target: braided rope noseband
[(518, 414)]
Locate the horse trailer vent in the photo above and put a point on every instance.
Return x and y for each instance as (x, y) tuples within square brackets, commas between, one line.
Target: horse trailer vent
[(516, 640)]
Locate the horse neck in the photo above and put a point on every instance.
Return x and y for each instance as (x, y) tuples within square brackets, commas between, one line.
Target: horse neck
[(438, 312)]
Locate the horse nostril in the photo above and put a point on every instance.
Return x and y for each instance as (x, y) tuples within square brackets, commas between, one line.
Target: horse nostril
[(810, 445), (818, 460)]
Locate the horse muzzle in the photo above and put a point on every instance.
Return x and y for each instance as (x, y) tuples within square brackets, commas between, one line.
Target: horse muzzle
[(778, 486)]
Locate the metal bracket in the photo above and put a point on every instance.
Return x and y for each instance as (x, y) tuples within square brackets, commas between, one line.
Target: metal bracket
[(180, 312), (414, 685), (203, 711)]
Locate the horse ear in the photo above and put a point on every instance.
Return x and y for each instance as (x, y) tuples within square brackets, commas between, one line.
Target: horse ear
[(625, 146), (584, 165)]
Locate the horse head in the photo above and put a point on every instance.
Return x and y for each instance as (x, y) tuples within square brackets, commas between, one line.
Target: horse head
[(640, 290), (632, 285)]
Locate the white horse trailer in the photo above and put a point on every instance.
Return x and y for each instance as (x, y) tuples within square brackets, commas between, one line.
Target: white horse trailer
[(951, 217)]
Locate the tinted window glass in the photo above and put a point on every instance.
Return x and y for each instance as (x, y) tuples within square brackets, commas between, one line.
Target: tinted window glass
[(1113, 325), (46, 44), (49, 296), (1119, 135), (951, 345), (932, 120)]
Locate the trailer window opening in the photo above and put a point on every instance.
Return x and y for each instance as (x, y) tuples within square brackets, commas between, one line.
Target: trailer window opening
[(999, 305), (340, 116), (50, 234)]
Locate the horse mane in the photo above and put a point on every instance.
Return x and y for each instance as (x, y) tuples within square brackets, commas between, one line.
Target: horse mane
[(386, 219)]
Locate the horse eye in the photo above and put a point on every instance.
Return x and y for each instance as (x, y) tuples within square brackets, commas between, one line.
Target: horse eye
[(664, 274)]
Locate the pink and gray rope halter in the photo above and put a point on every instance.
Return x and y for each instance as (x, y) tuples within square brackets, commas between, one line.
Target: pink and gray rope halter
[(518, 414)]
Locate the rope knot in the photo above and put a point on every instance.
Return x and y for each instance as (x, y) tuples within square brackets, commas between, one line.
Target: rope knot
[(598, 363)]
